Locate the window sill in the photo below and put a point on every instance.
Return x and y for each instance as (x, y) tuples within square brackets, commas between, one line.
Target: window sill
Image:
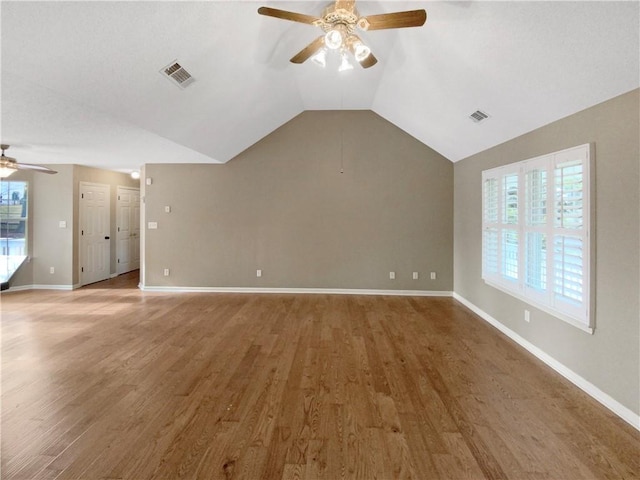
[(9, 264), (544, 308)]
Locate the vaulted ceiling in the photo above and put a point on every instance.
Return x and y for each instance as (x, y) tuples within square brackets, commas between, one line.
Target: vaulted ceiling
[(81, 81)]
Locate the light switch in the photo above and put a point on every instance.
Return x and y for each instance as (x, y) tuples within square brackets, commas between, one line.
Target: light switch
[(167, 209)]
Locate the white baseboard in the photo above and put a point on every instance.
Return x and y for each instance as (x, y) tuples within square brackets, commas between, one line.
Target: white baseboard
[(332, 291), (39, 287), (612, 404)]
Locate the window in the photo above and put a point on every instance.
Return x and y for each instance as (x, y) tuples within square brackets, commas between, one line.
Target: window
[(535, 232), (13, 227)]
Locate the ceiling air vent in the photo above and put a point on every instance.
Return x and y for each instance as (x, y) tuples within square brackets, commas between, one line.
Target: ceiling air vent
[(478, 116), (177, 74)]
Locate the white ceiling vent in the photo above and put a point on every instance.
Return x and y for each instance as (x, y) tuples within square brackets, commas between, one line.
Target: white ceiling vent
[(478, 116), (177, 74)]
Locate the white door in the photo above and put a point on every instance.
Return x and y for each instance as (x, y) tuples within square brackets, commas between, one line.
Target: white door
[(128, 229), (95, 242)]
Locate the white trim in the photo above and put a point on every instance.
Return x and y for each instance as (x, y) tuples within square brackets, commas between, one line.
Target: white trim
[(38, 287), (612, 404), (332, 291)]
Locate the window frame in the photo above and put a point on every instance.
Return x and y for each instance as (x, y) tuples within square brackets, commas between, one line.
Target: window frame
[(494, 224), (11, 262)]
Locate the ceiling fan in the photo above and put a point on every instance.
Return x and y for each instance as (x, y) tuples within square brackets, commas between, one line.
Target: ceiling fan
[(9, 165), (339, 22)]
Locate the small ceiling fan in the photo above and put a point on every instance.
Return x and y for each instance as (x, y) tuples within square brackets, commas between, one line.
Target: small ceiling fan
[(9, 165), (339, 22)]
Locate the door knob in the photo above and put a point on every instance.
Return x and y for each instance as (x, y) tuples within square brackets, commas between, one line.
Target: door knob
[(106, 238)]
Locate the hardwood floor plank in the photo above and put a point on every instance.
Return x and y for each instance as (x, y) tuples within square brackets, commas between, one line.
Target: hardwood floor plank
[(293, 472), (108, 382)]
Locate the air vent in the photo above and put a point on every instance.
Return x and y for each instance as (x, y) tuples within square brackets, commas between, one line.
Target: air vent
[(177, 74), (478, 116)]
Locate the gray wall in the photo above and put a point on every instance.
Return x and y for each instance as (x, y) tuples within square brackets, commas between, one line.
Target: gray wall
[(284, 207), (610, 357), (52, 246)]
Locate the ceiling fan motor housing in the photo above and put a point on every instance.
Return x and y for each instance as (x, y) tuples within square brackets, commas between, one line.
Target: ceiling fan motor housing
[(334, 17)]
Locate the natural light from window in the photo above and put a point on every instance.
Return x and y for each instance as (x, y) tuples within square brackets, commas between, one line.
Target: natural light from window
[(13, 227), (536, 233)]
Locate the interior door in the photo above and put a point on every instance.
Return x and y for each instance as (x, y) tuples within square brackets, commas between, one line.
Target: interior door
[(135, 229), (128, 229), (95, 242)]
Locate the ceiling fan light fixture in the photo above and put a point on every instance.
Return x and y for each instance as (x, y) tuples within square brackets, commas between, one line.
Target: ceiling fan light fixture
[(320, 58), (6, 171), (361, 51), (333, 39), (345, 64)]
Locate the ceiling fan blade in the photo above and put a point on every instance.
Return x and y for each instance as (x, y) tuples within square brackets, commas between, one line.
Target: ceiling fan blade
[(308, 51), (411, 18), (291, 16), (35, 168)]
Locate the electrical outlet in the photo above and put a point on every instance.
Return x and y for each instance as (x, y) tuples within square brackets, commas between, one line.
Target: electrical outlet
[(52, 270), (167, 209), (527, 316), (152, 225), (415, 275), (392, 275), (433, 275), (166, 272), (258, 273)]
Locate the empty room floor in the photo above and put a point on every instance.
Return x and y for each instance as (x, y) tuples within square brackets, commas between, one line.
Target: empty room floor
[(108, 382)]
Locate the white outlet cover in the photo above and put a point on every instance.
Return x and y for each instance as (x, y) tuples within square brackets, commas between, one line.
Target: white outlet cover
[(167, 209), (392, 275), (415, 275), (258, 273), (152, 225), (62, 224)]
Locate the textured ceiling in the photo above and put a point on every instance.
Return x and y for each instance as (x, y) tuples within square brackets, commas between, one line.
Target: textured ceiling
[(80, 81)]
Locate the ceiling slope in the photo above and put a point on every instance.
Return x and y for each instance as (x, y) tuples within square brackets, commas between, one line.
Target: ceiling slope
[(81, 81)]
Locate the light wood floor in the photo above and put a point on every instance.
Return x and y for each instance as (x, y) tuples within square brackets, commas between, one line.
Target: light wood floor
[(107, 382)]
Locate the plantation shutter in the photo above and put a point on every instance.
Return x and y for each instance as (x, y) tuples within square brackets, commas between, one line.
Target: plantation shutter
[(535, 232)]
